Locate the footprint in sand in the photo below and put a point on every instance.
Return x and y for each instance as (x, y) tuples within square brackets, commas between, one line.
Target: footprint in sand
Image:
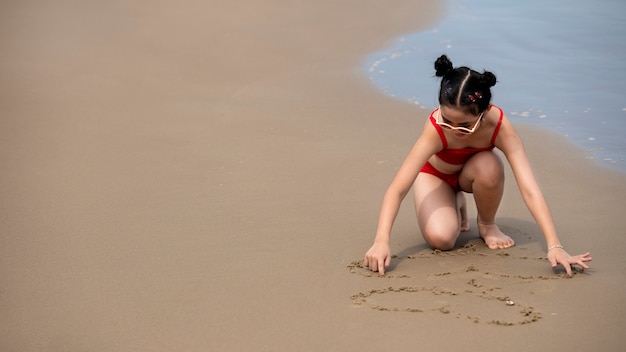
[(468, 289)]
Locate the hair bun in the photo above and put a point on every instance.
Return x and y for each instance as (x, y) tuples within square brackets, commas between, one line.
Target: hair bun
[(443, 65), (487, 79)]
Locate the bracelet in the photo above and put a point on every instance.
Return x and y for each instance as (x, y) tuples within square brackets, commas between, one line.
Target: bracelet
[(555, 246)]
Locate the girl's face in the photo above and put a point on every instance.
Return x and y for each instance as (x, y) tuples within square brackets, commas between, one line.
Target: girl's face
[(460, 123)]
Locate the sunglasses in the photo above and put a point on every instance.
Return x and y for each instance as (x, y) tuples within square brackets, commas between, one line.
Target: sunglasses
[(464, 130)]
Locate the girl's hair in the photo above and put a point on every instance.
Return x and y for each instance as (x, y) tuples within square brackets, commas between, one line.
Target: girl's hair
[(463, 87)]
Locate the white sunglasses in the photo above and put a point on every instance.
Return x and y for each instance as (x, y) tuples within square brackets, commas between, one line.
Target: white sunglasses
[(464, 130)]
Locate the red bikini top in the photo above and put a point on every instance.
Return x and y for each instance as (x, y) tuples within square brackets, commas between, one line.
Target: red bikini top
[(460, 156)]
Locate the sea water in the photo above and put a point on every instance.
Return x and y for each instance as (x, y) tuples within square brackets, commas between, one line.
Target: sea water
[(560, 65)]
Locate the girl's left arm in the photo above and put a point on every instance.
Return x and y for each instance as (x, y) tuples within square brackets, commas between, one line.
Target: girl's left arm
[(511, 145)]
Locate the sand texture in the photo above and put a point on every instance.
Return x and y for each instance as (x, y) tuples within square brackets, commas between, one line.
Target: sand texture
[(206, 176)]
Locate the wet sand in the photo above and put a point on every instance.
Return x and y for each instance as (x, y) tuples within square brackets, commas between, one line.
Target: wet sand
[(198, 176)]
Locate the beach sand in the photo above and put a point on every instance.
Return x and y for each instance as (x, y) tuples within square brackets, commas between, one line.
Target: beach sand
[(202, 176)]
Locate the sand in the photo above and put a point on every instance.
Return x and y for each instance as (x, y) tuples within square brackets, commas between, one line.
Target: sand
[(199, 176)]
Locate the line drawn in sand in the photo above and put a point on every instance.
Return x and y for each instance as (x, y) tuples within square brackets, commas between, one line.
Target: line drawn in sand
[(460, 292)]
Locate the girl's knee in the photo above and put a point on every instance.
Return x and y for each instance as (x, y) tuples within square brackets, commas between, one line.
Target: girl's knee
[(487, 169), (443, 238), (491, 178), (444, 244)]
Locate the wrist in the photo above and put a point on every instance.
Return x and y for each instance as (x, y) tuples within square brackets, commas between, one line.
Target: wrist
[(381, 239), (554, 246)]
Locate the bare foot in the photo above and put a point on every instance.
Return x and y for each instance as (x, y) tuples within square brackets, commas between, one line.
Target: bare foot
[(462, 206), (493, 237), (465, 224)]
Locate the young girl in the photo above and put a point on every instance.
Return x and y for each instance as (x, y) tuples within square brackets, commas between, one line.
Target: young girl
[(454, 155)]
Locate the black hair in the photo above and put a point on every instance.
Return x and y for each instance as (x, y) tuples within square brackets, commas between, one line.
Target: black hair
[(463, 87)]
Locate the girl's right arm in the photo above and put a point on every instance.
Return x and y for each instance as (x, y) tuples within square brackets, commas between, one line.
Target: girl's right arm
[(510, 143), (378, 257)]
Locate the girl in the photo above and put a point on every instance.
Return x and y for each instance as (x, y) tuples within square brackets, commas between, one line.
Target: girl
[(454, 155)]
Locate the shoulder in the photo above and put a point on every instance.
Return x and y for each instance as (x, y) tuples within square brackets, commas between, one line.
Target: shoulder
[(495, 113), (431, 137), (430, 120), (507, 140)]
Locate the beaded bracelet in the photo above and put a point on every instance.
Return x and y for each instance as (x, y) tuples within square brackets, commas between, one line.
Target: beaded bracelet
[(555, 246)]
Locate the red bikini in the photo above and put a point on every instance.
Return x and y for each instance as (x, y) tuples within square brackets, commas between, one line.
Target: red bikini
[(456, 156)]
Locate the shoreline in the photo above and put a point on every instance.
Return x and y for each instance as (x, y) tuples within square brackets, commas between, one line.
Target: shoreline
[(206, 180), (394, 68)]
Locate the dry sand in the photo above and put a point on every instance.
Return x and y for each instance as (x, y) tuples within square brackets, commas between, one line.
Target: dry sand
[(197, 176)]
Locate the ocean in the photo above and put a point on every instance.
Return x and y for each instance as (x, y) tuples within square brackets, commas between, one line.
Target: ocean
[(560, 64)]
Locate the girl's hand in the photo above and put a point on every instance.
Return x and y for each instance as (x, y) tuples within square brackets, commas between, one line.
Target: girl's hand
[(378, 257), (559, 256)]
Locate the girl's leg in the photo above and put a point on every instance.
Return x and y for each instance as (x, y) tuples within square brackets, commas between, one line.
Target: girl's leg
[(438, 214), (483, 175), (462, 206)]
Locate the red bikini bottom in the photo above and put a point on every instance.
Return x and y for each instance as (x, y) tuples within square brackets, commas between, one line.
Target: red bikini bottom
[(451, 179)]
